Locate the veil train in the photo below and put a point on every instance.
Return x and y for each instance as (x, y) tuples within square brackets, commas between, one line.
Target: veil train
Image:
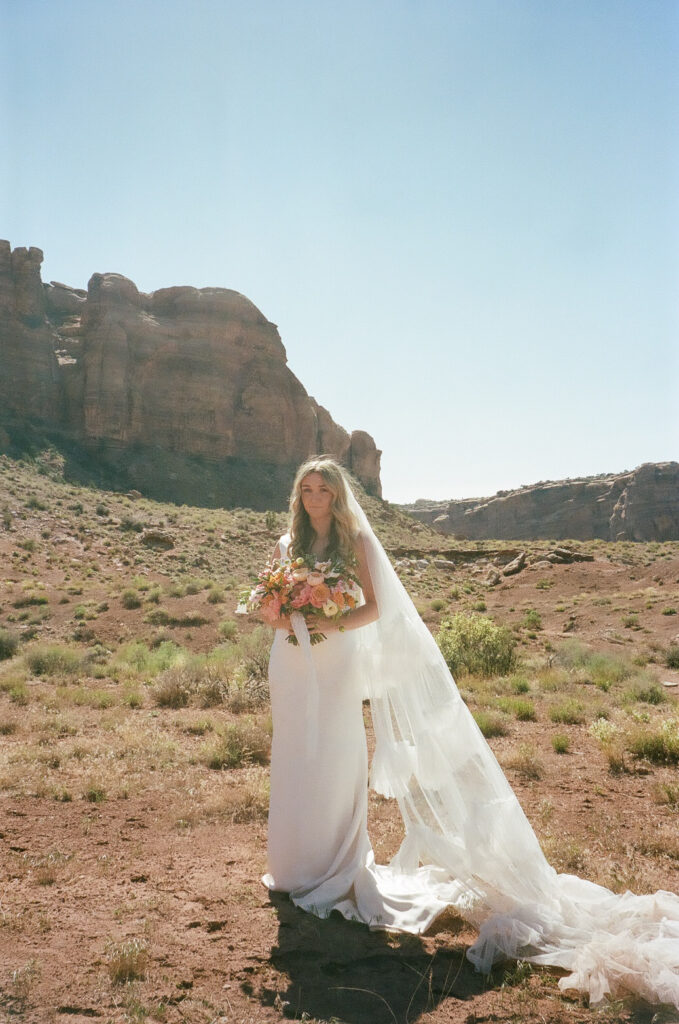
[(463, 819)]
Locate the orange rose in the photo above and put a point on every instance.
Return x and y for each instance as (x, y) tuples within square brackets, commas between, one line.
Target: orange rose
[(319, 595)]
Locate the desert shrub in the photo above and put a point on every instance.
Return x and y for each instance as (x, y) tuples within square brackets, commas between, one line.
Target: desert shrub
[(659, 744), (611, 741), (127, 524), (130, 599), (28, 600), (173, 689), (228, 629), (560, 743), (188, 620), (9, 644), (216, 595), (569, 712), (438, 604), (669, 611), (651, 694), (138, 657), (158, 617), (525, 762), (248, 803), (254, 650), (195, 585), (520, 685), (532, 619), (240, 743), (154, 595), (53, 659), (490, 724), (667, 793), (672, 656), (270, 520), (475, 644), (523, 710)]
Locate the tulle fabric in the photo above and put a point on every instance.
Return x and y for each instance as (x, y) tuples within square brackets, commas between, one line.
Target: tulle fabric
[(467, 841)]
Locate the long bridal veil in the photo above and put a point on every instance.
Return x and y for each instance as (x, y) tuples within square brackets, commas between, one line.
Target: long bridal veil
[(462, 817)]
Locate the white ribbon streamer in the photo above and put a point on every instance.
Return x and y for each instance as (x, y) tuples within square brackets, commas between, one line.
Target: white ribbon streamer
[(300, 630)]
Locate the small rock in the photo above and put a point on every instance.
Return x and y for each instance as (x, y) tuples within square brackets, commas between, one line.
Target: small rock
[(422, 563), (444, 563), (134, 494), (670, 683)]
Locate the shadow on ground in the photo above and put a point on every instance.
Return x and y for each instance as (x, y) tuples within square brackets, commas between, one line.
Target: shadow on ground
[(340, 969)]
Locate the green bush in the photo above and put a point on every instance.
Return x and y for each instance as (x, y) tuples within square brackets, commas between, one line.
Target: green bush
[(9, 643), (228, 629), (53, 659), (490, 724), (569, 712), (560, 743), (672, 656), (532, 619), (130, 599), (475, 644), (524, 710), (659, 744)]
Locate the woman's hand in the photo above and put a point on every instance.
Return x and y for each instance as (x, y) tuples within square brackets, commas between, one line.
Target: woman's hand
[(321, 624), (283, 622)]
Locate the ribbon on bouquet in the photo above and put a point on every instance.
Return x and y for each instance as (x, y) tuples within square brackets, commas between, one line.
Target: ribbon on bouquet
[(300, 630)]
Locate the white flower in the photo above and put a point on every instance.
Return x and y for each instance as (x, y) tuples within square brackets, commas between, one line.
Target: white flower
[(323, 566), (299, 575), (314, 578), (242, 609), (330, 609)]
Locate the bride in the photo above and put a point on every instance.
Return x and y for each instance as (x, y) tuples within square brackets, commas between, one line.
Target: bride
[(467, 842)]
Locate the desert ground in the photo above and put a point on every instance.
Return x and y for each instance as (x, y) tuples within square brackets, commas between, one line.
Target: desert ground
[(134, 744)]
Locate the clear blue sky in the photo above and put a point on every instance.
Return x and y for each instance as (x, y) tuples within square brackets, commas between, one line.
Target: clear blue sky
[(463, 215)]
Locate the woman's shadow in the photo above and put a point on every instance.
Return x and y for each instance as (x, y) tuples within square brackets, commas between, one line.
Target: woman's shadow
[(338, 969)]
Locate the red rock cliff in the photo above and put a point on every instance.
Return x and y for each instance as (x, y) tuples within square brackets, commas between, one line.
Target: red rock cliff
[(184, 393)]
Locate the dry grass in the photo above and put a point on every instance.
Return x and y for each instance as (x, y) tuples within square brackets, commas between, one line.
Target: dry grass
[(127, 960)]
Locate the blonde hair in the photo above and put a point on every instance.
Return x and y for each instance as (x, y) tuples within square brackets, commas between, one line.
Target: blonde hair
[(343, 529)]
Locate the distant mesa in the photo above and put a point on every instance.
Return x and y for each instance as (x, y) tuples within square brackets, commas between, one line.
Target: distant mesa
[(641, 505), (184, 394)]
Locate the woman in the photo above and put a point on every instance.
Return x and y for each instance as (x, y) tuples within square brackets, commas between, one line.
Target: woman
[(467, 843)]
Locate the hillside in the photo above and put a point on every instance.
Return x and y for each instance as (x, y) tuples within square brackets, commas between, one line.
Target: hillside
[(134, 739)]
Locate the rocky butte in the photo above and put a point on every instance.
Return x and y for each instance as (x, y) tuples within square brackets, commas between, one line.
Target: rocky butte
[(184, 394), (642, 505)]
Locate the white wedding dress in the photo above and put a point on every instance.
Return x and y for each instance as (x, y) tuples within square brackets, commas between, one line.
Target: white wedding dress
[(468, 844)]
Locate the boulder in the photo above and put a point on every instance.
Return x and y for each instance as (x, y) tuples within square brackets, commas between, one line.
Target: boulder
[(516, 565)]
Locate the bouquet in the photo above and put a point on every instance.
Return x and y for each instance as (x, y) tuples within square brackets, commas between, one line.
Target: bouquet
[(302, 585)]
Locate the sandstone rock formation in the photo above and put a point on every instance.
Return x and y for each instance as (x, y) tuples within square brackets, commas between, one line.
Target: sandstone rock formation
[(642, 505), (183, 393)]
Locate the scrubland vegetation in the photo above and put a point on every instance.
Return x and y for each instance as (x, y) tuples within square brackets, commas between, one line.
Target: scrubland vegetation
[(134, 745)]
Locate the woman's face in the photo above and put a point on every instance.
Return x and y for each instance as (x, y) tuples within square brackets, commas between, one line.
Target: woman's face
[(316, 496)]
